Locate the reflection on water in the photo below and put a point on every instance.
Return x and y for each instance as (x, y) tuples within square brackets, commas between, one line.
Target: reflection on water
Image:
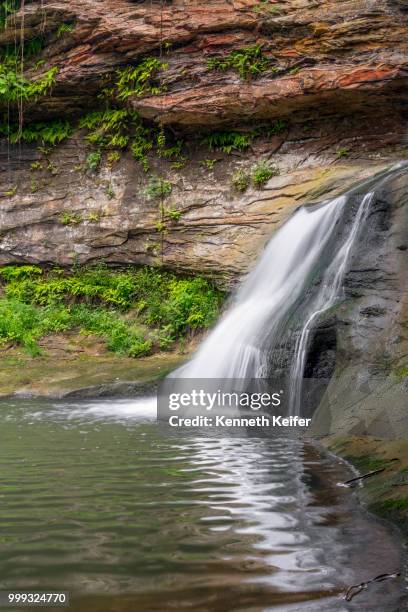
[(95, 501)]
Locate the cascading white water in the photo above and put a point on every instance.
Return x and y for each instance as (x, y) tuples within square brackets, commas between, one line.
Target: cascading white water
[(278, 290), (238, 346), (329, 291)]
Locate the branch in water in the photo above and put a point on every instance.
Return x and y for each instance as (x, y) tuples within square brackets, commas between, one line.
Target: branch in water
[(355, 589)]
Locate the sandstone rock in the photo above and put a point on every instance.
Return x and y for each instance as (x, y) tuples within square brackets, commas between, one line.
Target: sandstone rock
[(342, 55)]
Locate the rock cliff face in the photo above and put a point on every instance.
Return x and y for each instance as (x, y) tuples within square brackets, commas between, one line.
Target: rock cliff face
[(340, 55), (335, 77), (368, 389)]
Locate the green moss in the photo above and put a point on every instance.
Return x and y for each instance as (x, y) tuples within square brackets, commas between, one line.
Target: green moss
[(402, 372), (383, 508), (367, 463)]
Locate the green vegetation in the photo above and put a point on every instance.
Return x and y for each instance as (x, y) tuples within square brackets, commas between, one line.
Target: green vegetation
[(115, 128), (51, 133), (109, 129), (228, 141), (70, 218), (7, 8), (209, 163), (65, 28), (11, 54), (12, 191), (264, 6), (141, 146), (262, 172), (158, 188), (249, 61), (134, 310), (138, 80), (277, 128), (394, 509), (110, 192), (402, 372), (15, 87), (367, 463), (93, 160), (172, 213), (241, 180), (113, 157), (343, 152)]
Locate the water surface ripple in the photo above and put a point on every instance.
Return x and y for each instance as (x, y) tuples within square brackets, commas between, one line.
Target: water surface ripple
[(95, 501)]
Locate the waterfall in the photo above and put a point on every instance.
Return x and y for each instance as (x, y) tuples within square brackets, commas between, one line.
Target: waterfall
[(239, 344), (329, 292), (298, 277)]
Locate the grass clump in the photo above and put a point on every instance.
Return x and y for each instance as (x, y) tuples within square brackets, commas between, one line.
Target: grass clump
[(136, 311), (262, 172)]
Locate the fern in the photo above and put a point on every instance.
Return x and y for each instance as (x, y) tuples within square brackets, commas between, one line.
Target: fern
[(246, 61), (139, 80), (228, 141), (51, 133), (14, 87), (110, 128), (65, 28)]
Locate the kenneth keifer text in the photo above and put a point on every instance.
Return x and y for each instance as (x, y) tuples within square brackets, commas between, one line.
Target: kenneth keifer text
[(224, 421)]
